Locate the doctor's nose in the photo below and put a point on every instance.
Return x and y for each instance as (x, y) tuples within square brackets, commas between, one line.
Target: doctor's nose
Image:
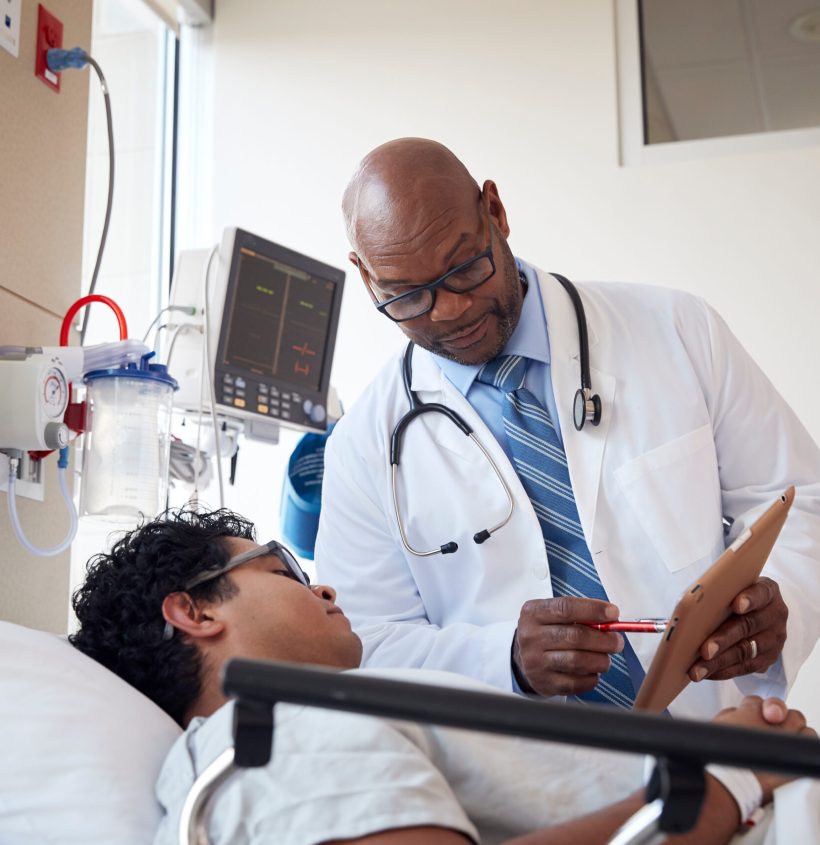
[(324, 592), (449, 305)]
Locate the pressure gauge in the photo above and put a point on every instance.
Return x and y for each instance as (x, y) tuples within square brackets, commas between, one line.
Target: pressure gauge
[(55, 393)]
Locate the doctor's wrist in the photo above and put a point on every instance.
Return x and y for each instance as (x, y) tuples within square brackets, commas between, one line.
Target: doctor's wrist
[(518, 674)]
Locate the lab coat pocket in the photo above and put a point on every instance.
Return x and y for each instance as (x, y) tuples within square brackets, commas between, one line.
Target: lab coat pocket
[(674, 492)]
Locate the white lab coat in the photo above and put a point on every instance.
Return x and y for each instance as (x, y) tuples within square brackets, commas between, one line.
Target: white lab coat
[(691, 430)]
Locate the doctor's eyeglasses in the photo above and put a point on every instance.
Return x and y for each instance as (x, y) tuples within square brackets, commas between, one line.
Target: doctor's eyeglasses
[(272, 547), (463, 278)]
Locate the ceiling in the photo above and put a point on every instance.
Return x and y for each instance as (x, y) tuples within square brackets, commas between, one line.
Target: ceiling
[(727, 67)]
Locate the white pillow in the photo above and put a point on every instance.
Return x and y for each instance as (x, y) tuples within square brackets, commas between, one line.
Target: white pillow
[(80, 748)]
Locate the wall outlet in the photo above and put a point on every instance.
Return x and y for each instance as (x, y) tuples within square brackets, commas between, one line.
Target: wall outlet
[(49, 35), (29, 482), (10, 11)]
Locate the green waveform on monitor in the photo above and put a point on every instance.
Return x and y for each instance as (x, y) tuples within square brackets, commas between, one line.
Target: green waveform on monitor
[(306, 304)]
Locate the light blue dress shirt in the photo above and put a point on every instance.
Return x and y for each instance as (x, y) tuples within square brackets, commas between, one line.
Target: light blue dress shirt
[(530, 340)]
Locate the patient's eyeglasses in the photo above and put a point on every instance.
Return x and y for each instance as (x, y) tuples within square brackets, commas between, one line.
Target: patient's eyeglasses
[(270, 548), (273, 547)]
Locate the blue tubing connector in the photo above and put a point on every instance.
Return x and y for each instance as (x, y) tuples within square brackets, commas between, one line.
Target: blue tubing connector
[(58, 60)]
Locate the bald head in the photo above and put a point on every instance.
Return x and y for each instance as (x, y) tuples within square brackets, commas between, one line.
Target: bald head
[(402, 187)]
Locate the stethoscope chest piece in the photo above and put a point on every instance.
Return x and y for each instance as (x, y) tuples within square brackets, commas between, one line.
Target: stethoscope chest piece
[(586, 408)]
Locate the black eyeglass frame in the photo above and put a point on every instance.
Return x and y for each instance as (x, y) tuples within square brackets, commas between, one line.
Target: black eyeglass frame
[(272, 547), (437, 283)]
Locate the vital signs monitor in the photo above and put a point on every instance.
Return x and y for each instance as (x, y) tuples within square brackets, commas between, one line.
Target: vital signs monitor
[(273, 316), (280, 313)]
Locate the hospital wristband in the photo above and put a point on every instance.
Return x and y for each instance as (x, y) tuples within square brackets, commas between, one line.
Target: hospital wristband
[(744, 787)]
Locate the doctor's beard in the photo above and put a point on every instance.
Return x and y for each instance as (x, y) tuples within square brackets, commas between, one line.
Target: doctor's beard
[(506, 309)]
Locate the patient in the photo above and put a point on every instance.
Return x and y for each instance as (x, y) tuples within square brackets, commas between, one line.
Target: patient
[(178, 597)]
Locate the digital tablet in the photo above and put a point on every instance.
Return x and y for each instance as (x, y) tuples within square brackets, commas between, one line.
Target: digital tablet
[(706, 605)]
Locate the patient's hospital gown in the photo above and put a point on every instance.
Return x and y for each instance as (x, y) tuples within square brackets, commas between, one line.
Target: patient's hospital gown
[(336, 775)]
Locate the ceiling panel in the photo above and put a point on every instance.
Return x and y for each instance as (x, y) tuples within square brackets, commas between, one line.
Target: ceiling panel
[(791, 94), (769, 23), (694, 31), (706, 102)]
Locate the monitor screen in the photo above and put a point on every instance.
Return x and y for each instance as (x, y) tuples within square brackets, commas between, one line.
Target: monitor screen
[(279, 321)]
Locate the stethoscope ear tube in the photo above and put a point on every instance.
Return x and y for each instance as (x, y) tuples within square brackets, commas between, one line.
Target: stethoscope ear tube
[(586, 405), (417, 411)]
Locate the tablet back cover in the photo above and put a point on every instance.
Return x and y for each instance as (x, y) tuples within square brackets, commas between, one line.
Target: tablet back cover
[(706, 605)]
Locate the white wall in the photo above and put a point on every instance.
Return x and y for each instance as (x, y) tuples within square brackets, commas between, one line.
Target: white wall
[(525, 93)]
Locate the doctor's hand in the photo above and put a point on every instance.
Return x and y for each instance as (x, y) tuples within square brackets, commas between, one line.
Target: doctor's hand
[(551, 655), (750, 640)]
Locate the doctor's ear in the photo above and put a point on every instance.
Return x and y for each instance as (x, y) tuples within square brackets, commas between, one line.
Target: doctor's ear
[(195, 620), (498, 214), (354, 259)]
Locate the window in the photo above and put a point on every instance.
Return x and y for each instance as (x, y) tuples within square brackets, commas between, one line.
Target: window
[(715, 77)]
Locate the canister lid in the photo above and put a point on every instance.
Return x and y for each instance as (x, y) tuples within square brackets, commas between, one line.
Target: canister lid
[(146, 371)]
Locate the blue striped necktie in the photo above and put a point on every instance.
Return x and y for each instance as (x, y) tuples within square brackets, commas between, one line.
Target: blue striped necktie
[(542, 467)]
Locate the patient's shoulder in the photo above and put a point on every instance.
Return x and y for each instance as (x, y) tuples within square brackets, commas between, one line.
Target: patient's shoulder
[(330, 772)]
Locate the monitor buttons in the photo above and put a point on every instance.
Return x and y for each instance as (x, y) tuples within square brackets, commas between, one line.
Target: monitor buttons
[(317, 413), (239, 403)]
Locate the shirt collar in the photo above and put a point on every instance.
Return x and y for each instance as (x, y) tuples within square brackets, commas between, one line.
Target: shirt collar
[(530, 338)]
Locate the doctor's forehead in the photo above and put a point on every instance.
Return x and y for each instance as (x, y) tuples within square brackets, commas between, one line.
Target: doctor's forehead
[(401, 188)]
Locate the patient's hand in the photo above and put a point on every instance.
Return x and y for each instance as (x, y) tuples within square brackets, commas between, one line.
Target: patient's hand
[(772, 713)]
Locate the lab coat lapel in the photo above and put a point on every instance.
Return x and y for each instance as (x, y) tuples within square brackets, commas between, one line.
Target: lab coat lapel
[(584, 449), (433, 386)]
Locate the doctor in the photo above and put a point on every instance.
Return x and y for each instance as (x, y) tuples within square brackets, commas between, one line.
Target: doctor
[(614, 519)]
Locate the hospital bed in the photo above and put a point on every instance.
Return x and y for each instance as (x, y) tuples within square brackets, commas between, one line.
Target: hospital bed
[(682, 748), (81, 750)]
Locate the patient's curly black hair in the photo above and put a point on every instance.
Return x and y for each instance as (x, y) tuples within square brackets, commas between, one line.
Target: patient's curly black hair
[(119, 606)]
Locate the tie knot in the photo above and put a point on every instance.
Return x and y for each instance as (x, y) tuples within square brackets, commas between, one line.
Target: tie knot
[(506, 373)]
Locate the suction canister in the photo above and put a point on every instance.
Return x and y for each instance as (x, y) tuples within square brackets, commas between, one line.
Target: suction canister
[(128, 441)]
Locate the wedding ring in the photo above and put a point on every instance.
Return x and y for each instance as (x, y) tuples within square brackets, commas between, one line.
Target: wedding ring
[(753, 644)]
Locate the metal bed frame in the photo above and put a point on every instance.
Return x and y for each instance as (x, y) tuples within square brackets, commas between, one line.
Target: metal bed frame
[(682, 748)]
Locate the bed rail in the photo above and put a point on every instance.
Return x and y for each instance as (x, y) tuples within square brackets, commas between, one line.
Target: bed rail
[(682, 747)]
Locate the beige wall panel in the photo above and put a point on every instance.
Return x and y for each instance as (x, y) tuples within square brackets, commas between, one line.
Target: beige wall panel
[(33, 590), (43, 137)]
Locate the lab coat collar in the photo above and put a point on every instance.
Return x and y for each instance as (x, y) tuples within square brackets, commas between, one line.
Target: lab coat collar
[(584, 449)]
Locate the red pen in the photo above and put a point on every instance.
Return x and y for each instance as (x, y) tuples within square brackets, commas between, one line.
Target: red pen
[(639, 626)]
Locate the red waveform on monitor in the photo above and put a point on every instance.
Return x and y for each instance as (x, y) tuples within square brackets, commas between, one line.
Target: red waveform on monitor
[(304, 349)]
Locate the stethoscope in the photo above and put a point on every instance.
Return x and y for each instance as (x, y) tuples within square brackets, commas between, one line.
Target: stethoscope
[(586, 408)]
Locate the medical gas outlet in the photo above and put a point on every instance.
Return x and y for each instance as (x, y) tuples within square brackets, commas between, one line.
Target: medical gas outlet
[(35, 389)]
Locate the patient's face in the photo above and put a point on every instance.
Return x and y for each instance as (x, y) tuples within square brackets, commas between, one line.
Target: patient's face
[(275, 617)]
